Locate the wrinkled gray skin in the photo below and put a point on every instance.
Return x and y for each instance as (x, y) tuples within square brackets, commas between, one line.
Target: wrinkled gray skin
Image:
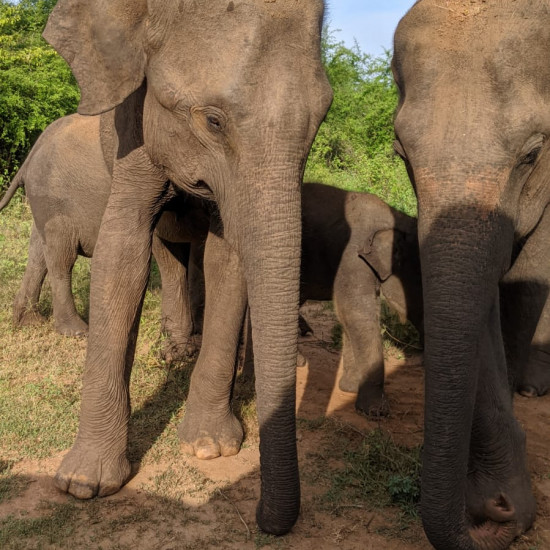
[(67, 184), (234, 94), (472, 126), (353, 246)]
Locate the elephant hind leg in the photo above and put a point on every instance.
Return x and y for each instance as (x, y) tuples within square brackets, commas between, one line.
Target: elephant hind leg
[(177, 323), (25, 305), (60, 248)]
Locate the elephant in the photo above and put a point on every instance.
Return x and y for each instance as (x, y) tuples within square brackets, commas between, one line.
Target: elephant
[(354, 245), (471, 125), (67, 184), (223, 99)]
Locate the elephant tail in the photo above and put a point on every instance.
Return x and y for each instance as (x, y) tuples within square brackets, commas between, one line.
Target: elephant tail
[(14, 185)]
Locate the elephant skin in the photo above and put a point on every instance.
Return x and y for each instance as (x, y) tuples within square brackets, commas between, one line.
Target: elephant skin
[(67, 184), (472, 126), (354, 246), (224, 100)]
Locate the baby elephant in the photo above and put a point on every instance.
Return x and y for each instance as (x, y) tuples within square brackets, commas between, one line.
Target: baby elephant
[(355, 246), (68, 183)]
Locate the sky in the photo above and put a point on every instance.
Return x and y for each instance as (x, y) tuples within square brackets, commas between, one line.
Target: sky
[(371, 22)]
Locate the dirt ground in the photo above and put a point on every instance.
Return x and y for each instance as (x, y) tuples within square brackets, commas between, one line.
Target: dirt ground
[(213, 504)]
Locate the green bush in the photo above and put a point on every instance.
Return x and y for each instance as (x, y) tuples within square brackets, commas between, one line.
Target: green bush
[(354, 146), (36, 85)]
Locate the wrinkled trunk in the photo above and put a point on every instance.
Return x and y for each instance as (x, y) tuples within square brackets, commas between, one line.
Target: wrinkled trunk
[(265, 227), (462, 259)]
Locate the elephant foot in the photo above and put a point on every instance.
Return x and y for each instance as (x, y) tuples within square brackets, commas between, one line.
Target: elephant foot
[(173, 351), (208, 436), (86, 473), (530, 390), (75, 327), (534, 379), (28, 318)]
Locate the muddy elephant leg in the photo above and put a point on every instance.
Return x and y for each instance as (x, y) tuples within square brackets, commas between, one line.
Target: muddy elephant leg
[(25, 304), (357, 304), (97, 463), (61, 254), (209, 428), (177, 322)]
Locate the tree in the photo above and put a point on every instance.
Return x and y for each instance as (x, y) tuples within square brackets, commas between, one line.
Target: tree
[(36, 85), (354, 146)]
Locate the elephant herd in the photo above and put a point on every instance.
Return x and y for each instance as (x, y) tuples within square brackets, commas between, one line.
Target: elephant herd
[(194, 125)]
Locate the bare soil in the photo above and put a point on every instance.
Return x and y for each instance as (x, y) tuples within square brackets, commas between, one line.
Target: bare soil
[(188, 503)]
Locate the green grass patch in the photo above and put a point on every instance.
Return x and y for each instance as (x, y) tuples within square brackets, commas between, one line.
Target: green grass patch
[(378, 472)]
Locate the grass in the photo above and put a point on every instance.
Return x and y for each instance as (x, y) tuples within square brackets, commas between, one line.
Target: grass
[(383, 176)]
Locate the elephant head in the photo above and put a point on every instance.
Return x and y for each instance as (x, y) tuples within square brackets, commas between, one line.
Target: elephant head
[(234, 92), (472, 126)]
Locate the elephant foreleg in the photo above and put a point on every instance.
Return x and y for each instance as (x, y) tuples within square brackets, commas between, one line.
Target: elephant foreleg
[(525, 313), (209, 428), (97, 463)]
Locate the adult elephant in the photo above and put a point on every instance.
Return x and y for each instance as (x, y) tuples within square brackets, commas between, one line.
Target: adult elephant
[(472, 124), (224, 99)]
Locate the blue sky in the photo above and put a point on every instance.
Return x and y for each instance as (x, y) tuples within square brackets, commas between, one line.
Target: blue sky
[(371, 22)]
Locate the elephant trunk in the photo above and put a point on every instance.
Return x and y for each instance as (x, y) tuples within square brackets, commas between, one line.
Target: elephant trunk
[(462, 260), (268, 238)]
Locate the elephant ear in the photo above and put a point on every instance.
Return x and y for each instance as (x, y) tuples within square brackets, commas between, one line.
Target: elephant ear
[(102, 41), (378, 252)]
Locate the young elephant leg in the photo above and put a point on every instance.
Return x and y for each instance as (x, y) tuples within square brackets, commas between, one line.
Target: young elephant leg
[(357, 304), (209, 428), (177, 324), (25, 305), (60, 250)]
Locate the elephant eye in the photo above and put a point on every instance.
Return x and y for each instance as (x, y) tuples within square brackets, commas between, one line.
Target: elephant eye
[(531, 156), (214, 123)]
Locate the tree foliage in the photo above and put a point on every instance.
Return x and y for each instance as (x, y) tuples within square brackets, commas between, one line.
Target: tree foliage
[(36, 85), (354, 145), (353, 148), (361, 116)]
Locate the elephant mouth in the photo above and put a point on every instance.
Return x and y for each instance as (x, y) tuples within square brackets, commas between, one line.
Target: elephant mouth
[(199, 188)]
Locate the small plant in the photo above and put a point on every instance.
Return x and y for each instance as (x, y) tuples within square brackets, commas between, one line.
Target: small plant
[(336, 336), (380, 473), (404, 336)]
